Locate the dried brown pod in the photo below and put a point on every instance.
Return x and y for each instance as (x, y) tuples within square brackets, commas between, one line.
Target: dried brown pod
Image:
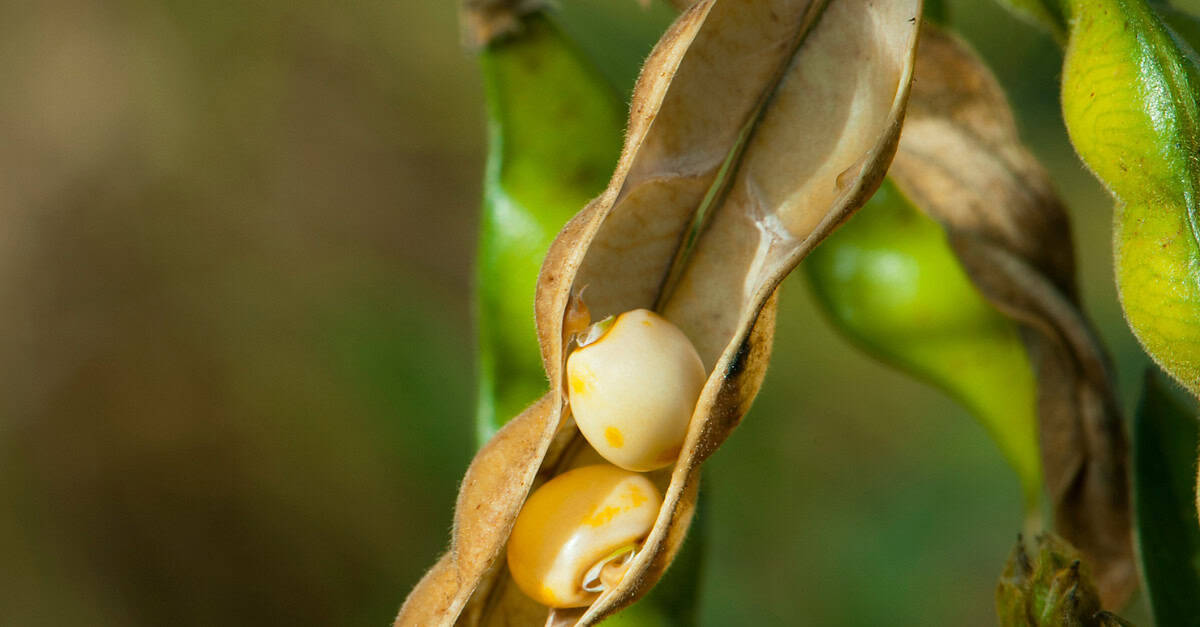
[(756, 128), (962, 161)]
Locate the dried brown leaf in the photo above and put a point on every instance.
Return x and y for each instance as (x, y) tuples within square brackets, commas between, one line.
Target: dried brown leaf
[(961, 160), (804, 101)]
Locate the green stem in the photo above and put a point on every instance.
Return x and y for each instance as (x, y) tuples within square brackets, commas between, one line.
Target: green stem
[(554, 128)]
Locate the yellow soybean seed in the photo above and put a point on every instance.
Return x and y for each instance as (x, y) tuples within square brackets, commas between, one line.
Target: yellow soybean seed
[(576, 534), (633, 389)]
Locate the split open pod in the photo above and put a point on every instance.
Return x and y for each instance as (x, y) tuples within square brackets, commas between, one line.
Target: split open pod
[(755, 129)]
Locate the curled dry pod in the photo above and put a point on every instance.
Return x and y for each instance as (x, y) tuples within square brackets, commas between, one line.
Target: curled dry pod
[(1129, 99), (632, 390), (756, 128), (575, 535), (961, 161)]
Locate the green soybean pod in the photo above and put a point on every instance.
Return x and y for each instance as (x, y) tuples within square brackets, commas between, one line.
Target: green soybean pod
[(555, 127), (890, 282), (1129, 99)]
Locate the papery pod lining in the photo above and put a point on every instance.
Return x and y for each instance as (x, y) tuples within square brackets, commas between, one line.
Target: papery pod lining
[(960, 159), (795, 185), (668, 168)]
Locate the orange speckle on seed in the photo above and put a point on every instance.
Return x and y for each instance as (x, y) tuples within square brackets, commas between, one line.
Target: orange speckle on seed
[(602, 517), (548, 595), (614, 438), (636, 497), (582, 382)]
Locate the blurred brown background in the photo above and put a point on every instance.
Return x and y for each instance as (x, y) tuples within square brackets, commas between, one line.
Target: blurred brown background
[(236, 350)]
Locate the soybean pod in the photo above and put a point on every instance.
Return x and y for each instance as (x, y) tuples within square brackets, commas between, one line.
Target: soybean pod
[(710, 143), (891, 283), (1129, 97)]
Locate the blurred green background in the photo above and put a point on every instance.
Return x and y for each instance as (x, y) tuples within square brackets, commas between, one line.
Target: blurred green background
[(235, 274)]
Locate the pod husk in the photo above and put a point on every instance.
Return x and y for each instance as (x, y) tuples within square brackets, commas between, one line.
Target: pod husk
[(762, 91), (961, 160)]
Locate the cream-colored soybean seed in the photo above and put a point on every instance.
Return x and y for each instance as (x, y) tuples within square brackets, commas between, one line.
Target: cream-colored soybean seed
[(632, 390), (576, 534)]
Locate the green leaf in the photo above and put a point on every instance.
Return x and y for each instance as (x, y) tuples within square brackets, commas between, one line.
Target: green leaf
[(1165, 437), (555, 129), (889, 281), (1130, 105), (936, 11)]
